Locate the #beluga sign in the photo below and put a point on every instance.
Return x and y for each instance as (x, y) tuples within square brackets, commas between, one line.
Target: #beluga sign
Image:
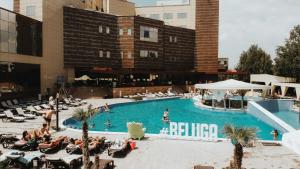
[(197, 131)]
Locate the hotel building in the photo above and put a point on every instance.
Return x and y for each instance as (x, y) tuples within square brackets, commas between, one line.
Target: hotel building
[(109, 42)]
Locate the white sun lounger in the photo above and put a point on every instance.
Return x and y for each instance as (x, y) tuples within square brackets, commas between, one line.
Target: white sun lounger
[(27, 116), (33, 110), (11, 116)]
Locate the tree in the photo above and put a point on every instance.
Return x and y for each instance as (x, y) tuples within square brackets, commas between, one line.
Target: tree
[(239, 137), (82, 115), (255, 61), (287, 62)]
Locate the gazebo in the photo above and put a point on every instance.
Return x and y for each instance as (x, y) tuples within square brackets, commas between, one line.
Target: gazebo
[(219, 89)]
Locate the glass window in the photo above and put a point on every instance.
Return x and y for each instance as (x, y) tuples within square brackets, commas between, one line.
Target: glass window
[(175, 39), (129, 55), (107, 30), (129, 32), (4, 41), (168, 16), (12, 48), (12, 17), (121, 31), (4, 15), (4, 26), (148, 34), (182, 15), (101, 54), (154, 16), (150, 54), (30, 10), (100, 29), (171, 39), (108, 54), (12, 27)]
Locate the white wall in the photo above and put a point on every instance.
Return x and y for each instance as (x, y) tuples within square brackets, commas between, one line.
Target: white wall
[(188, 22)]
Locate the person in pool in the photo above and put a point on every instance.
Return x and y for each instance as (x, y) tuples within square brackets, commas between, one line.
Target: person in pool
[(275, 134), (106, 107), (166, 116)]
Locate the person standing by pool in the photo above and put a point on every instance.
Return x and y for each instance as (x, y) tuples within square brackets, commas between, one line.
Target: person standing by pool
[(275, 134), (166, 116), (48, 116)]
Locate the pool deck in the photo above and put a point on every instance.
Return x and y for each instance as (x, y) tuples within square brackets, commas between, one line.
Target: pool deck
[(155, 152)]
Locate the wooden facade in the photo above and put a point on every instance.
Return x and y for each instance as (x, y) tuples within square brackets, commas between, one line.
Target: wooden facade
[(148, 63), (86, 33), (83, 41), (207, 36), (179, 48)]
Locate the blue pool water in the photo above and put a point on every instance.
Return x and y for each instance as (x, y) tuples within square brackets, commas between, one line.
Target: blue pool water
[(290, 117), (180, 110)]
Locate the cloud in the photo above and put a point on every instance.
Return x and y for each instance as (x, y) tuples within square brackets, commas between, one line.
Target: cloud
[(263, 22), (7, 4)]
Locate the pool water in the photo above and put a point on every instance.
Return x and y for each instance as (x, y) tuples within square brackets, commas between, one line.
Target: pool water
[(290, 117), (180, 110)]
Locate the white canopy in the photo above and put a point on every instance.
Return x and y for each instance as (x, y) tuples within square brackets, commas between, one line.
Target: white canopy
[(231, 84), (84, 78)]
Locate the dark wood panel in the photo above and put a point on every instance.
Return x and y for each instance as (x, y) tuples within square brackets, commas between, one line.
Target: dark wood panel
[(82, 40)]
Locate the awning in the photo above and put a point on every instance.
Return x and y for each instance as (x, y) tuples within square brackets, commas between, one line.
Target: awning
[(231, 84)]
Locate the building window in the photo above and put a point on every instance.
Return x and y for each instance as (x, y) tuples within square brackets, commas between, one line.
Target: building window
[(148, 54), (154, 16), (4, 15), (108, 54), (129, 55), (129, 32), (107, 30), (120, 31), (168, 16), (148, 34), (101, 54), (100, 29), (181, 15), (4, 41), (30, 10), (122, 54), (175, 39), (171, 39)]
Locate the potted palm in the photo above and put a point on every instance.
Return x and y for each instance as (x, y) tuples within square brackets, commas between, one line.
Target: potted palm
[(239, 137)]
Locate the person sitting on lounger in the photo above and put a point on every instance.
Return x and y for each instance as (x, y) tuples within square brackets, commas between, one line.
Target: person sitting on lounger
[(26, 136), (48, 115), (166, 116), (106, 107), (44, 131)]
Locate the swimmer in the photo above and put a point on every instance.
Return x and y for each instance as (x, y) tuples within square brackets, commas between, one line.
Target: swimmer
[(166, 116)]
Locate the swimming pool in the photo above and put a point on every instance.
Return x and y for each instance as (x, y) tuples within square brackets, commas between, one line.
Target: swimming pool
[(180, 110), (290, 117)]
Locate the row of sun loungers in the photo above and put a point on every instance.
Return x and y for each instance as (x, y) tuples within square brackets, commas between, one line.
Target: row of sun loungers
[(16, 112), (26, 159), (149, 96)]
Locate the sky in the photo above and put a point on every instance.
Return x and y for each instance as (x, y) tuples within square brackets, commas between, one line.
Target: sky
[(266, 23)]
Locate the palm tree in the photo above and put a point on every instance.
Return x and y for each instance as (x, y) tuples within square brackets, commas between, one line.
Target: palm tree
[(239, 137), (82, 115)]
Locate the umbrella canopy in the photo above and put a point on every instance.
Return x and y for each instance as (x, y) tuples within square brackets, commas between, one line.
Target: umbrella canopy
[(84, 78), (231, 84)]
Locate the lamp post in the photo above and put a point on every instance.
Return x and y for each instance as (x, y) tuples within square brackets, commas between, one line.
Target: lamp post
[(57, 117)]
